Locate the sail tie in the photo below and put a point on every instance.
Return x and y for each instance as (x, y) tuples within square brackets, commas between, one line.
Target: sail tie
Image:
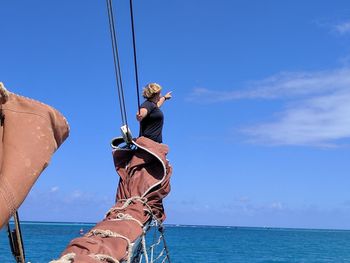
[(68, 258), (105, 258), (127, 202), (109, 233), (122, 216)]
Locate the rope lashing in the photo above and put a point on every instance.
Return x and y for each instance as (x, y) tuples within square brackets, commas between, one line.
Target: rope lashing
[(124, 216), (68, 258), (108, 233), (121, 216), (105, 258), (127, 202)]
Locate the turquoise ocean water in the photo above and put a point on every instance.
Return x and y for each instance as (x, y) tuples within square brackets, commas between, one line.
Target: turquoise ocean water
[(45, 241)]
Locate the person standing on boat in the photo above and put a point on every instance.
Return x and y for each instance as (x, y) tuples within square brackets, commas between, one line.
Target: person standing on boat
[(150, 116)]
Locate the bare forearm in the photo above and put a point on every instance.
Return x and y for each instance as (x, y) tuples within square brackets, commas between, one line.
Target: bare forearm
[(161, 101)]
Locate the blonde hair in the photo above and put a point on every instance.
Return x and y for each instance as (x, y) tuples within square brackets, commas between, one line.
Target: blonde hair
[(151, 90)]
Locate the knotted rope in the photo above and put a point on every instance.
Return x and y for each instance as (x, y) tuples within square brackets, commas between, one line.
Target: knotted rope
[(127, 202), (106, 258), (68, 258), (108, 233)]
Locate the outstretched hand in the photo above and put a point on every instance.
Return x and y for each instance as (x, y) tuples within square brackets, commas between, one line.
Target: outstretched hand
[(168, 95)]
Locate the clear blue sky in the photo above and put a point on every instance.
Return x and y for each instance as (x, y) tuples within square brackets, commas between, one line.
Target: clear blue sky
[(258, 126)]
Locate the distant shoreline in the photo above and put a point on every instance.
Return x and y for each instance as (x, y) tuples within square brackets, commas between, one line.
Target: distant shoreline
[(184, 225)]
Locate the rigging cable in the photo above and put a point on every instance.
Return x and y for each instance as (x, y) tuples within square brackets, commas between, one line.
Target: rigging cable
[(135, 60), (116, 63)]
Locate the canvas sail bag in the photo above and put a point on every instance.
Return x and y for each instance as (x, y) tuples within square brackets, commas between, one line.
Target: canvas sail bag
[(30, 133)]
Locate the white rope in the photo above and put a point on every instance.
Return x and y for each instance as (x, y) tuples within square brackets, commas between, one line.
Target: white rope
[(160, 254), (126, 204), (106, 258), (68, 258), (158, 242), (108, 233), (144, 247), (152, 252), (128, 201), (150, 255), (122, 216)]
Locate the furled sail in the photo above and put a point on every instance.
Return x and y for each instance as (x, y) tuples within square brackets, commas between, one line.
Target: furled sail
[(30, 133), (144, 181)]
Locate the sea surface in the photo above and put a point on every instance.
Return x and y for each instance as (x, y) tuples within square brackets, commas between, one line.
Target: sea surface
[(208, 244)]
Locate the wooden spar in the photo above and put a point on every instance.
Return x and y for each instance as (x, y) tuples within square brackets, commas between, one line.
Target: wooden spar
[(15, 239)]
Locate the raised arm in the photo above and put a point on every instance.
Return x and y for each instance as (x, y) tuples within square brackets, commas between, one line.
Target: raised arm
[(163, 99)]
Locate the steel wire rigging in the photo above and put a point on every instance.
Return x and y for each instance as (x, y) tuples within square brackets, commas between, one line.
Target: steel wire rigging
[(116, 60)]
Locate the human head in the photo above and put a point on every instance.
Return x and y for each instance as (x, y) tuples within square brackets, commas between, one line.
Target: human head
[(151, 90)]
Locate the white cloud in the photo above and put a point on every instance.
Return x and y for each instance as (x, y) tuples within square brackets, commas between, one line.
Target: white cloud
[(279, 86), (317, 112), (77, 194), (54, 189), (73, 206), (343, 28), (319, 121), (276, 206)]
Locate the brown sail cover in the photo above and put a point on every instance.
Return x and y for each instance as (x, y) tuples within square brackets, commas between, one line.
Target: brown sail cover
[(144, 182), (30, 133)]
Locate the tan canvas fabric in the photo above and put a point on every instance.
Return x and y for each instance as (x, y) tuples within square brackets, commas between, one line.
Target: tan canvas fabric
[(144, 182), (30, 133)]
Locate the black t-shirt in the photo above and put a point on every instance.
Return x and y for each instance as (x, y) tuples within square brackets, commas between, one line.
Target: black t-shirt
[(152, 124)]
